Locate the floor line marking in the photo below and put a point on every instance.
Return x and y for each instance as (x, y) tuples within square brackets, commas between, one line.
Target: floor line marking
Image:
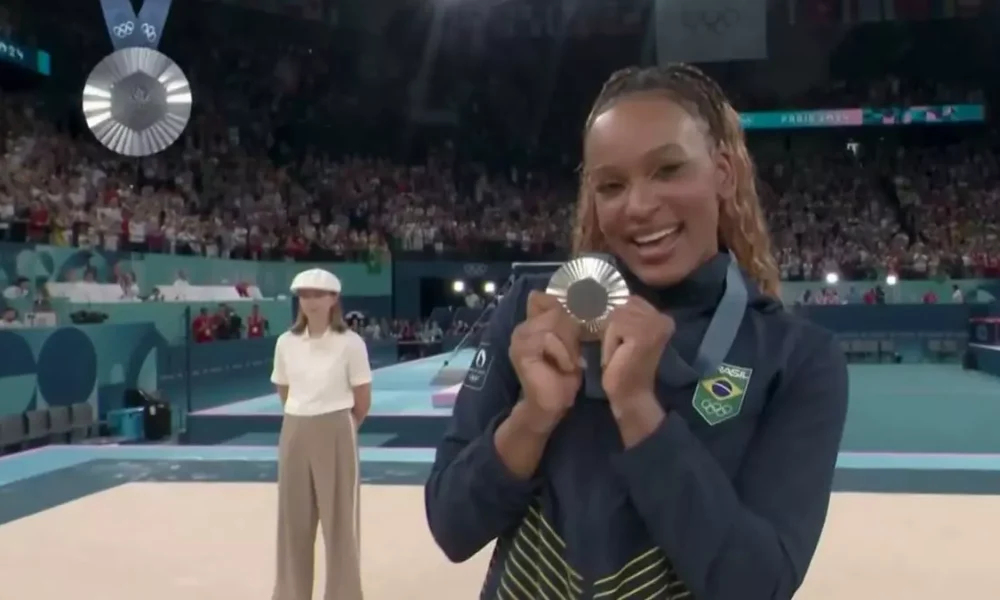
[(44, 460)]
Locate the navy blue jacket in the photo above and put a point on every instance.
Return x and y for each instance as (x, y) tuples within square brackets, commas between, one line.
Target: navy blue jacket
[(725, 501)]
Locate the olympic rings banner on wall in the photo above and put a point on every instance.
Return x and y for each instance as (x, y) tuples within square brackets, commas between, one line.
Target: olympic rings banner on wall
[(700, 31)]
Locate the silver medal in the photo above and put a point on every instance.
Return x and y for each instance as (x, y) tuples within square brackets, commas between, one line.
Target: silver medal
[(137, 101), (589, 288)]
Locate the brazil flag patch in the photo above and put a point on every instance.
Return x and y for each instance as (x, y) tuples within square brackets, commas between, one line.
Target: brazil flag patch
[(719, 397)]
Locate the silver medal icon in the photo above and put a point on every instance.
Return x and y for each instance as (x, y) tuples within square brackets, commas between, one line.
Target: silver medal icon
[(589, 288), (137, 101)]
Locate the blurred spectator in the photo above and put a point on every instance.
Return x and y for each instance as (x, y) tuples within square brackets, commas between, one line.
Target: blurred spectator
[(9, 319), (203, 327), (228, 324), (21, 288), (257, 325)]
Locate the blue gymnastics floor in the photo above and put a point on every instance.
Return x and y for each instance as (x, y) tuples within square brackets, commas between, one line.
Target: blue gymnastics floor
[(911, 429), (38, 480), (402, 389)]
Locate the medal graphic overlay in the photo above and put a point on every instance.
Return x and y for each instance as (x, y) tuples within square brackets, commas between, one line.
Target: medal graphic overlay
[(136, 101)]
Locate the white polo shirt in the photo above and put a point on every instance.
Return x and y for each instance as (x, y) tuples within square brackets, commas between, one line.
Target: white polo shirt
[(320, 372)]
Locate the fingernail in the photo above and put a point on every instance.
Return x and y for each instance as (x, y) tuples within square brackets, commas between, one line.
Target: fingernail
[(583, 362)]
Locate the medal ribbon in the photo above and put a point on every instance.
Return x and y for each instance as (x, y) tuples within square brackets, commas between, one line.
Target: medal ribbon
[(128, 30)]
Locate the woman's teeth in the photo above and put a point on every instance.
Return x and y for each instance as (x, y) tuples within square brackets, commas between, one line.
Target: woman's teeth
[(655, 237)]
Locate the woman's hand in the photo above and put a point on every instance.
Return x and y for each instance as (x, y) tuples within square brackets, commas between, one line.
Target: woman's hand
[(633, 343), (545, 353)]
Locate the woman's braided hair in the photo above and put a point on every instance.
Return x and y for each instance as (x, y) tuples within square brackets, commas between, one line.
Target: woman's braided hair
[(742, 228)]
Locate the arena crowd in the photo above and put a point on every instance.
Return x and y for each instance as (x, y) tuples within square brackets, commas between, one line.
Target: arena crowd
[(284, 160)]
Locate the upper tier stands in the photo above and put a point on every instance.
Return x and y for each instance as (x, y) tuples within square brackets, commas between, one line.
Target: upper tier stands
[(315, 147), (82, 292)]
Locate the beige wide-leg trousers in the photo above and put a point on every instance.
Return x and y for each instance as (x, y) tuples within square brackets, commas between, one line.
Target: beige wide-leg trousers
[(318, 483)]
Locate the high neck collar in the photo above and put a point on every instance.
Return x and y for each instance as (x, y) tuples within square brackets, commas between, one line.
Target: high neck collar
[(701, 289)]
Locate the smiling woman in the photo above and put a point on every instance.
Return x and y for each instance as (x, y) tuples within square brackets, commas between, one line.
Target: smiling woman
[(702, 466), (670, 134)]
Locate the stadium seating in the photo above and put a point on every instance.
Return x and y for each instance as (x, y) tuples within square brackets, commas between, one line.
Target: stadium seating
[(80, 292), (57, 424)]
